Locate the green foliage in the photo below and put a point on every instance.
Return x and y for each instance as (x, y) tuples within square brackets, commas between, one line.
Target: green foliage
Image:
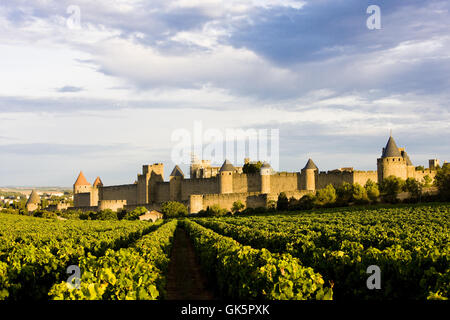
[(241, 272), (12, 194), (37, 251), (390, 187), (71, 214), (216, 210), (41, 213), (344, 193), (326, 196), (137, 272), (414, 188), (248, 211), (427, 181), (372, 190), (10, 211), (252, 167), (271, 205), (420, 168), (307, 201), (283, 202), (173, 209), (442, 181), (359, 194), (351, 193), (292, 203), (87, 215), (134, 214), (107, 214), (408, 243), (20, 205), (44, 203), (237, 206)]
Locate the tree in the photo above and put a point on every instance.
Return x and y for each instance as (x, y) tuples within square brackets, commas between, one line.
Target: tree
[(307, 201), (121, 213), (442, 181), (344, 193), (85, 215), (172, 209), (326, 196), (391, 187), (252, 167), (71, 214), (216, 210), (134, 214), (272, 205), (427, 181), (293, 204), (107, 214), (44, 203), (283, 202), (414, 188), (359, 194), (237, 206), (420, 168), (49, 215), (372, 190)]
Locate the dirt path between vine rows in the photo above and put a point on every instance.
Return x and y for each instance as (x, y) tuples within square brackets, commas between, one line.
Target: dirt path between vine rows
[(185, 280)]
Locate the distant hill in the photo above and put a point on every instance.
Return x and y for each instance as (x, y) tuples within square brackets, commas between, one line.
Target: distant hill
[(26, 190)]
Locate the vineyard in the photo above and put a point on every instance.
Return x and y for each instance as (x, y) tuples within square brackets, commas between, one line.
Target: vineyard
[(314, 255)]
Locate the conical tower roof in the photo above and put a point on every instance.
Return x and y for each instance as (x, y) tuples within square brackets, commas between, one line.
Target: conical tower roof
[(34, 198), (310, 165), (176, 172), (406, 157), (81, 180), (391, 149), (227, 166), (98, 182)]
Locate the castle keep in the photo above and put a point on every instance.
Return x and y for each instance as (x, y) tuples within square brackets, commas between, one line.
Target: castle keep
[(226, 184)]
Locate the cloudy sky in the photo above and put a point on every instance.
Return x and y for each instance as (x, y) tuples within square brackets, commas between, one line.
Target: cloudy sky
[(106, 95)]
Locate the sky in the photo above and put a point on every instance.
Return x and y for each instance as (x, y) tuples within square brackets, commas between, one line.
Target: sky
[(104, 86)]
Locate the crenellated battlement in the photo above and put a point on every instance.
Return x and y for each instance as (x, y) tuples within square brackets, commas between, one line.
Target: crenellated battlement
[(223, 185), (286, 174), (336, 173)]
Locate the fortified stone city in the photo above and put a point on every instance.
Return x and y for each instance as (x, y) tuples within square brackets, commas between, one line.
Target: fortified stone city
[(224, 185)]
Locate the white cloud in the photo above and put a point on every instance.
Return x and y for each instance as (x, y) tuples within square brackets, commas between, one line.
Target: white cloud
[(217, 8), (151, 75), (223, 67)]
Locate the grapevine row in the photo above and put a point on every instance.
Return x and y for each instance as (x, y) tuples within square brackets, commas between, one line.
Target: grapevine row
[(243, 272), (138, 272), (417, 272), (28, 270)]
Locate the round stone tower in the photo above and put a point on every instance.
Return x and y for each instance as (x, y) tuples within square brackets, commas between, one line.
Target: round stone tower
[(392, 162), (309, 173), (266, 172), (95, 194), (226, 177), (33, 201)]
